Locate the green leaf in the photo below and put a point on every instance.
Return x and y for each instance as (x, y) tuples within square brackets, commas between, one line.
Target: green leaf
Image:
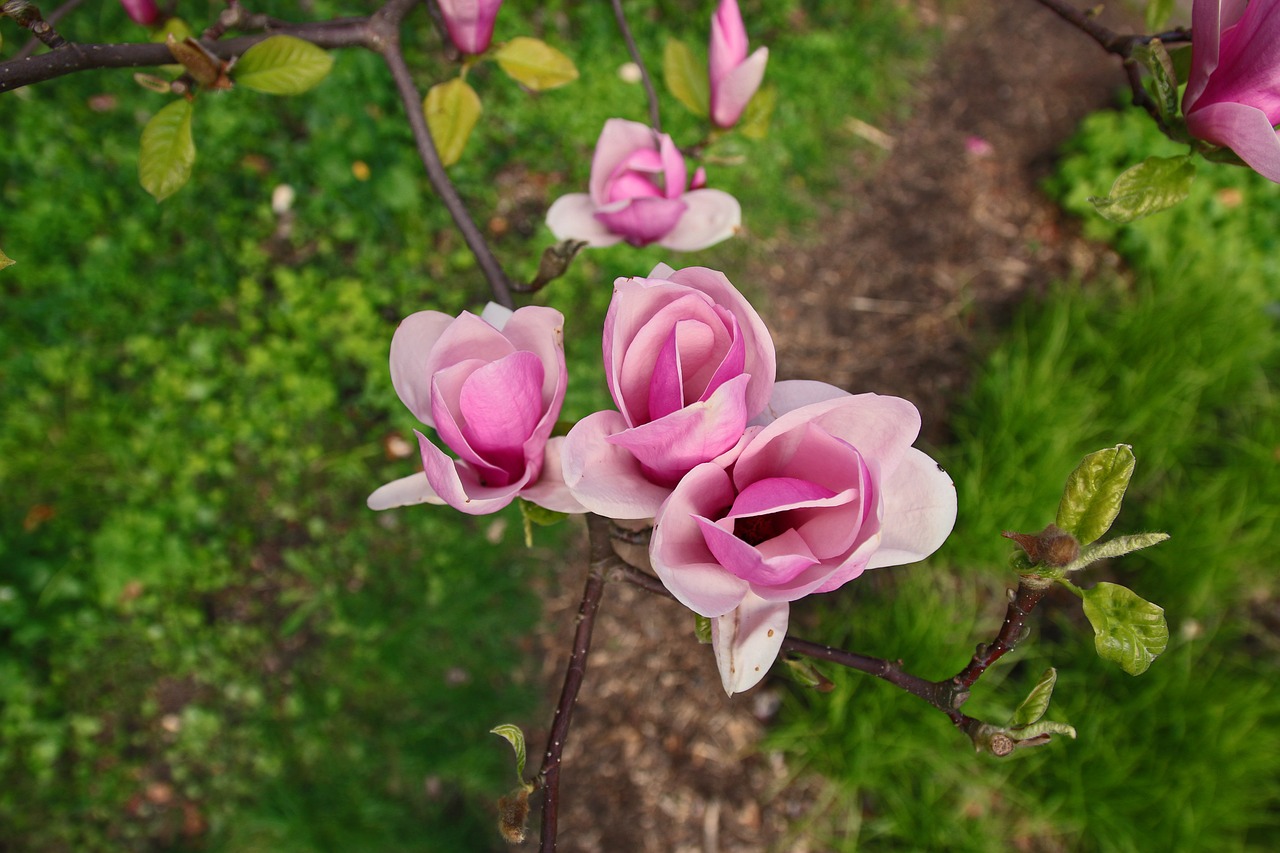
[(175, 27), (759, 111), (5, 260), (1094, 491), (282, 65), (1155, 184), (804, 673), (1037, 701), (167, 152), (452, 109), (515, 737), (702, 629), (686, 77), (1163, 78), (540, 515), (1128, 629), (1113, 548), (1044, 727), (535, 64), (1157, 14)]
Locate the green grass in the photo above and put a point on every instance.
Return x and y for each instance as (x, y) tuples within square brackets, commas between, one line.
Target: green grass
[(1180, 362), (206, 640)]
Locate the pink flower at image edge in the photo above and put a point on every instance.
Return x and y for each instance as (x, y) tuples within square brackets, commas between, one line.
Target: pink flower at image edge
[(827, 488), (470, 23), (1233, 92), (639, 192), (492, 387), (141, 11), (734, 77)]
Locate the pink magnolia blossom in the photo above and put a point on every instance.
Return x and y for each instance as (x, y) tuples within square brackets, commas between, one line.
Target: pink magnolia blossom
[(141, 11), (470, 23), (827, 488), (639, 192), (492, 387), (688, 362), (734, 76), (1233, 92)]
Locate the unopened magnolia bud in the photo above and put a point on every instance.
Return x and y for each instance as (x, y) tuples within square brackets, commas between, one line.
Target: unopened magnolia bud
[(1052, 546), (513, 816)]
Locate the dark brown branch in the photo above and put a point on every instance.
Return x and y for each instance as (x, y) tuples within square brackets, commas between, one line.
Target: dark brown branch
[(649, 91), (601, 556), (73, 57), (1012, 631), (52, 18)]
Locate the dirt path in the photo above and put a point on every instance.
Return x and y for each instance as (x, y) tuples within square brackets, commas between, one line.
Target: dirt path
[(946, 233)]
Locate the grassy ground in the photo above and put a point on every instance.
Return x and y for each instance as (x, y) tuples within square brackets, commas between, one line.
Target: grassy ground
[(1180, 362), (206, 638)]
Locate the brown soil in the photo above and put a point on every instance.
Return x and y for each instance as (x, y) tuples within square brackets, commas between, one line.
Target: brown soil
[(939, 243)]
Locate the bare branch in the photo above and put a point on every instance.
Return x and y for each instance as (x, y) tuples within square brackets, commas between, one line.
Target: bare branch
[(649, 91)]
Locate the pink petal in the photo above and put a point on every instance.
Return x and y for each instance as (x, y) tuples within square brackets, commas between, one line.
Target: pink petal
[(747, 641), (730, 98), (446, 391), (679, 553), (1245, 130), (501, 405), (788, 557), (728, 45), (550, 490), (1208, 19), (791, 394), (674, 171), (457, 485), (642, 221), (540, 331), (410, 347), (647, 313), (712, 216), (670, 446), (470, 23), (919, 511), (604, 478), (619, 139), (778, 494), (407, 491), (573, 217)]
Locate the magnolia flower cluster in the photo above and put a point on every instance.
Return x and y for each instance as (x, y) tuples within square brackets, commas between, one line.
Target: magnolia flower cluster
[(1233, 92), (640, 189), (760, 492)]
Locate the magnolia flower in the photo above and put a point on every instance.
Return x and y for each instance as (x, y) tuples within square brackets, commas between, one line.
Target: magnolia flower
[(824, 487), (688, 362), (639, 192), (1233, 92), (492, 387), (733, 76), (470, 22), (141, 11)]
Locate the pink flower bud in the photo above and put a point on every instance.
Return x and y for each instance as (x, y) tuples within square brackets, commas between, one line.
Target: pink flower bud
[(1233, 92), (470, 23), (141, 11), (804, 503), (640, 192), (734, 76), (492, 387)]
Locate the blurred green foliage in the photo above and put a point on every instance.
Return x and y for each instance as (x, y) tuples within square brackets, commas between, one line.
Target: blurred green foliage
[(1178, 359), (206, 640)]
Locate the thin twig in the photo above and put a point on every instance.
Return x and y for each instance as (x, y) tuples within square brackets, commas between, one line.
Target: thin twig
[(386, 25), (53, 18), (1014, 628), (649, 91), (601, 555)]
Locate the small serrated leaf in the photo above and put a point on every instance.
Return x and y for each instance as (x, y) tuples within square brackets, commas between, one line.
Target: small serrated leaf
[(514, 736), (5, 260), (1043, 727), (1037, 701), (1113, 548), (282, 65), (452, 109), (1091, 499), (686, 77), (1128, 629), (702, 629), (759, 112), (1155, 58), (1155, 184), (535, 64), (167, 152)]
